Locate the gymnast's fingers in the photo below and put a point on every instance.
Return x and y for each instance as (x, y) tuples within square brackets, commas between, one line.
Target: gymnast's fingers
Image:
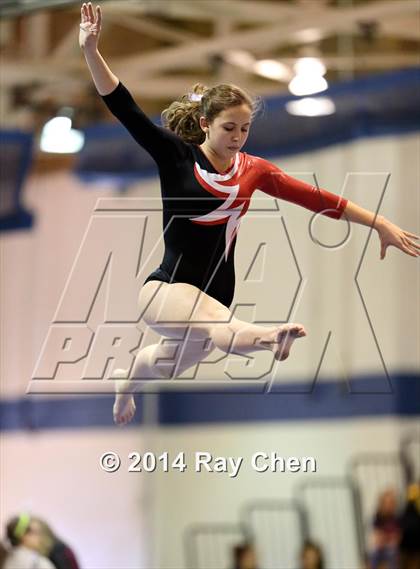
[(412, 235), (98, 16), (409, 251), (91, 14)]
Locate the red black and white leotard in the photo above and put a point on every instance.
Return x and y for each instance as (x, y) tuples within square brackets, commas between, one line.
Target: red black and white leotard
[(202, 208)]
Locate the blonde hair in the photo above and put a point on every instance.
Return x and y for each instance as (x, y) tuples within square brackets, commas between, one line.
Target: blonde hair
[(183, 116)]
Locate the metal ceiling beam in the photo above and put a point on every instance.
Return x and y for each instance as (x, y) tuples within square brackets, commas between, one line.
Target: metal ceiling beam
[(57, 78), (408, 29), (35, 42), (14, 8), (263, 39), (258, 11), (148, 27), (64, 70)]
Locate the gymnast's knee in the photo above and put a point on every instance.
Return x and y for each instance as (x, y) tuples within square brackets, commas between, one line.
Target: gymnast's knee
[(164, 370), (217, 315)]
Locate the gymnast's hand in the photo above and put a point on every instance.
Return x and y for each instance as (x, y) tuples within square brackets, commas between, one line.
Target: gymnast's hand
[(90, 26), (390, 234)]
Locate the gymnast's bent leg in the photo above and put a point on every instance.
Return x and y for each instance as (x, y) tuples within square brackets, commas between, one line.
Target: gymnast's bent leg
[(157, 361), (180, 309), (171, 308)]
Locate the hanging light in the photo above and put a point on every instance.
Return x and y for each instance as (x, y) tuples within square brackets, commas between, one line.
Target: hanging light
[(59, 137), (307, 85), (272, 69), (309, 66), (240, 58), (311, 107), (309, 77)]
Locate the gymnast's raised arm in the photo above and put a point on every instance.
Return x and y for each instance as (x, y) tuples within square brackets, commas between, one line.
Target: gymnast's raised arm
[(90, 28), (161, 143)]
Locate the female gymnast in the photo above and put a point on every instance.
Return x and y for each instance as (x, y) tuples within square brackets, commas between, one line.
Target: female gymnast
[(201, 165)]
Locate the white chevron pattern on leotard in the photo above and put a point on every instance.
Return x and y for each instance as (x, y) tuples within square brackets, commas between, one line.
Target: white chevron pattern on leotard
[(223, 211)]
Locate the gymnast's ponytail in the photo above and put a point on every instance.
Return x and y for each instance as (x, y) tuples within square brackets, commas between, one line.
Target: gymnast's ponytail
[(183, 116)]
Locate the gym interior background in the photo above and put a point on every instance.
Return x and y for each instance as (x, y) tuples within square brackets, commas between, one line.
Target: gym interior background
[(340, 80)]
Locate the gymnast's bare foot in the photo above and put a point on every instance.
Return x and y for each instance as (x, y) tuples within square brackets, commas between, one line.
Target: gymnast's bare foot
[(280, 340), (124, 406)]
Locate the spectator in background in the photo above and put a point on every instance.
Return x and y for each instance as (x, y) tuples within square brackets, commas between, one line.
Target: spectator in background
[(3, 554), (26, 539), (386, 532), (311, 556), (410, 530), (382, 561), (244, 556), (58, 552)]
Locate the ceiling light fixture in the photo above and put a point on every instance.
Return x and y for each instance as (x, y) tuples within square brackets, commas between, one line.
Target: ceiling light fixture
[(309, 77), (59, 137), (311, 107)]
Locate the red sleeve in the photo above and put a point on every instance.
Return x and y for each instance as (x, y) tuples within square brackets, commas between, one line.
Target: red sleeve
[(274, 182)]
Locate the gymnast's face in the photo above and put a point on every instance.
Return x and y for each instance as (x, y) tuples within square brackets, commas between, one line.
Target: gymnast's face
[(228, 132)]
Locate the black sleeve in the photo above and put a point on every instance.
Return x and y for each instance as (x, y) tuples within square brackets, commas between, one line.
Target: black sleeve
[(162, 144)]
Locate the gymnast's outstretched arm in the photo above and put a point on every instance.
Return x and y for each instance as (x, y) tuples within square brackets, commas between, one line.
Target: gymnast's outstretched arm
[(389, 233), (277, 183)]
